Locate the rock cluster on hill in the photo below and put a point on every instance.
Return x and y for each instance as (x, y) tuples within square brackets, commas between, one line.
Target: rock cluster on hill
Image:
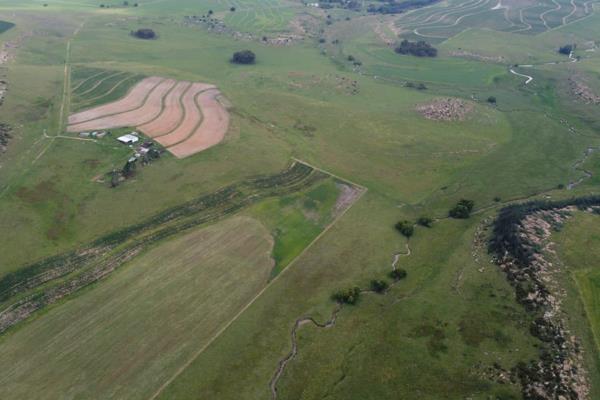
[(559, 373), (446, 109)]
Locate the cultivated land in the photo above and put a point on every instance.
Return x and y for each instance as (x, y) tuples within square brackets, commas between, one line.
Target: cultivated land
[(184, 117), (140, 323), (212, 273)]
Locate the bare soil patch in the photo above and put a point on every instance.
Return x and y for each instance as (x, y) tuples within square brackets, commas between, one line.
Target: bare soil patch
[(172, 115), (151, 109), (192, 117), (211, 131), (446, 109)]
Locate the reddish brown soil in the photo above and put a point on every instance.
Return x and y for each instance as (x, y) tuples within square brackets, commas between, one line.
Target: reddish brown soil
[(172, 113), (134, 99), (193, 116), (211, 131), (185, 118), (147, 112)]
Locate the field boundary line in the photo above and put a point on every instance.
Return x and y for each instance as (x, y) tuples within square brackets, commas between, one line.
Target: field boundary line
[(267, 286), (330, 174)]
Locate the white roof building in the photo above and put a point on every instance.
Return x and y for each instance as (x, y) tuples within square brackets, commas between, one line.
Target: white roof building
[(128, 139)]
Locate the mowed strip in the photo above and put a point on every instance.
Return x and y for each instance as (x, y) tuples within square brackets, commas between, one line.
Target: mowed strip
[(129, 333), (211, 131), (134, 99), (193, 117), (150, 109), (172, 114)]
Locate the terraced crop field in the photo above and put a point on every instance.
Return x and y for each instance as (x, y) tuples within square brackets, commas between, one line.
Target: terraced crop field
[(442, 21), (91, 87), (266, 16), (184, 117)]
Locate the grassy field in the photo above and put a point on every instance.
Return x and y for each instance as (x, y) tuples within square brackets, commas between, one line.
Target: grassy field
[(122, 338), (577, 253), (92, 86), (578, 249), (435, 335)]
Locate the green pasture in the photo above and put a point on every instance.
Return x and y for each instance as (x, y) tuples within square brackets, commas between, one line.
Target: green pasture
[(262, 16), (429, 337), (125, 336), (577, 245), (95, 86)]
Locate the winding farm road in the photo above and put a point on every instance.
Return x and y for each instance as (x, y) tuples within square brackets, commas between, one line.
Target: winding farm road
[(529, 78)]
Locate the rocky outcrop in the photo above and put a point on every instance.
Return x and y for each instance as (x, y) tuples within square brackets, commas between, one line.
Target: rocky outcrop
[(522, 248)]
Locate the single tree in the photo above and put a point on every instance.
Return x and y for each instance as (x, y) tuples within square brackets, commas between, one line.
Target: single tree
[(144, 33), (491, 100), (243, 57), (462, 209), (398, 274), (406, 228), (379, 286)]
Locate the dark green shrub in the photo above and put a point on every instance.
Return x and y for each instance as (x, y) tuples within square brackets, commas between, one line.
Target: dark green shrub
[(462, 209), (425, 221), (347, 296), (406, 228), (379, 286), (398, 274), (243, 57)]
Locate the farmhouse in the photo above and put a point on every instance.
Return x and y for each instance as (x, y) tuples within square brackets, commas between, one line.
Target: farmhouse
[(128, 139)]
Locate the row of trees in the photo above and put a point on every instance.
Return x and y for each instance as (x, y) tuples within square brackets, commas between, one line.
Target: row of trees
[(418, 49), (352, 295)]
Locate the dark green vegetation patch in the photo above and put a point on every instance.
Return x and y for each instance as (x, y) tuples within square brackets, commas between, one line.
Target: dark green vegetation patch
[(5, 25)]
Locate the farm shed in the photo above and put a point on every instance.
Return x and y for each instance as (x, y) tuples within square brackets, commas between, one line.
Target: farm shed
[(128, 139)]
